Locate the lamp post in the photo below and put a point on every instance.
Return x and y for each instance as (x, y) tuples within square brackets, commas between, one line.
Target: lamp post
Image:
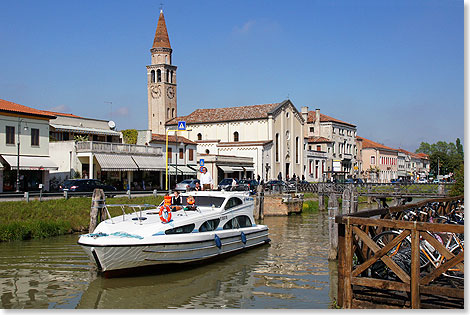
[(166, 146), (18, 154)]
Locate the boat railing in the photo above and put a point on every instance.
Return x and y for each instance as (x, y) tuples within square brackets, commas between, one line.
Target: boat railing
[(136, 209)]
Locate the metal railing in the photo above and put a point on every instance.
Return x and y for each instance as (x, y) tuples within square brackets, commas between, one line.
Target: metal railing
[(110, 147)]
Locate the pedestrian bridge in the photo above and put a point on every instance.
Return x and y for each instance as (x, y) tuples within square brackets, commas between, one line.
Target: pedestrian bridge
[(400, 190)]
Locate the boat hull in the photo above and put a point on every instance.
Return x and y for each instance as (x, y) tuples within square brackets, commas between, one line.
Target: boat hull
[(172, 249)]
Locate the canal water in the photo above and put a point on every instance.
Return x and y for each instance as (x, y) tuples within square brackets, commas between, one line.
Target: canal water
[(292, 272)]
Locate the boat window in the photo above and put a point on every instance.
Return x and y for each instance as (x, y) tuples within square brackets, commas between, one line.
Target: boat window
[(206, 201), (238, 222), (233, 202), (210, 225), (181, 229)]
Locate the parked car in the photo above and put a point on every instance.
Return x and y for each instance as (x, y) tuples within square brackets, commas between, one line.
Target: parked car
[(250, 183), (187, 184), (275, 183), (85, 185), (226, 183)]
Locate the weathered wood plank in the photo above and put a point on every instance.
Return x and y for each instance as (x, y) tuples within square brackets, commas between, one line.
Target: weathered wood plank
[(380, 253), (442, 268), (380, 284), (348, 294), (387, 260), (415, 267), (341, 264), (443, 291)]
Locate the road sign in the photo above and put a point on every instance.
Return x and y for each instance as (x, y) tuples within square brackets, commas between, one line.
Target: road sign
[(181, 125), (201, 162), (201, 169)]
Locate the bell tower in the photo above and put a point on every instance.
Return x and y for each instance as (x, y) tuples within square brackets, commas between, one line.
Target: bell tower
[(161, 81)]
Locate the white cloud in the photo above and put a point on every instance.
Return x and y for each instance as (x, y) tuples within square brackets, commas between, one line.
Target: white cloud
[(121, 111), (60, 109), (245, 28)]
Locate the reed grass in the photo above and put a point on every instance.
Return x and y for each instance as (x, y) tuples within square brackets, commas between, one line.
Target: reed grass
[(21, 220)]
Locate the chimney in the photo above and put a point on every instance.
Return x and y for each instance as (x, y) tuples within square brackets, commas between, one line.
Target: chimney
[(317, 123), (304, 112)]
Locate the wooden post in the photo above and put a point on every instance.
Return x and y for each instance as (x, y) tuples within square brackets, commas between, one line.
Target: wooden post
[(341, 261), (346, 203), (354, 201), (321, 201), (347, 271), (97, 207), (332, 226), (415, 300)]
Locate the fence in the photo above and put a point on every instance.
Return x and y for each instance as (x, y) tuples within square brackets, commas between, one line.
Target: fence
[(414, 284)]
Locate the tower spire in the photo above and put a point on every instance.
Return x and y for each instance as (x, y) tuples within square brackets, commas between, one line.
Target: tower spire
[(161, 35)]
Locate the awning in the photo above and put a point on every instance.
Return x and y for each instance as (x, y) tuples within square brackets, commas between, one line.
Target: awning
[(182, 170), (149, 163), (31, 162), (85, 130), (116, 162), (231, 169), (226, 169), (249, 169)]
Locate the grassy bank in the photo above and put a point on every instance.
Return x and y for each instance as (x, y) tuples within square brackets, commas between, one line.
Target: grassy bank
[(21, 220)]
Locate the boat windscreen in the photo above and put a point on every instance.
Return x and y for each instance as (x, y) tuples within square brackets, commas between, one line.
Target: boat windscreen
[(206, 201)]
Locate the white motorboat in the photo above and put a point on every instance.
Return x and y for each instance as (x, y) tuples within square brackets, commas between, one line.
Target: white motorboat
[(218, 223)]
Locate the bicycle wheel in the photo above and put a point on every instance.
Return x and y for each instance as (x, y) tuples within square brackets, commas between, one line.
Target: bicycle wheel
[(386, 237)]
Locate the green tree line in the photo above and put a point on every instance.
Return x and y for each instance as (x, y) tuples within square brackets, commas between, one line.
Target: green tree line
[(449, 155)]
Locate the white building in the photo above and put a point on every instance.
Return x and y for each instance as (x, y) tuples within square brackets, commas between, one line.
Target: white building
[(25, 128)]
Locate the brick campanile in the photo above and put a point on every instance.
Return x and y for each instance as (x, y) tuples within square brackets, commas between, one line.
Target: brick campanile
[(161, 81)]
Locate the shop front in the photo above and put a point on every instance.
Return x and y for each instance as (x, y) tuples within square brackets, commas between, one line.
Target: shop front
[(34, 171)]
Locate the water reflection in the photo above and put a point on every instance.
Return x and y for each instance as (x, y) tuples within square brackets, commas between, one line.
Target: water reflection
[(292, 272)]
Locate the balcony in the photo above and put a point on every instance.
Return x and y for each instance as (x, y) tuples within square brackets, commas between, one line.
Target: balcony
[(346, 156), (316, 154), (118, 148)]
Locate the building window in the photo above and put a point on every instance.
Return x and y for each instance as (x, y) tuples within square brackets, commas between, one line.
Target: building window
[(235, 136), (169, 155), (171, 76), (372, 160), (318, 147), (167, 75), (191, 154), (168, 113), (181, 153), (34, 137), (207, 151), (277, 147), (159, 75), (312, 129), (172, 113), (10, 133), (199, 136), (152, 75)]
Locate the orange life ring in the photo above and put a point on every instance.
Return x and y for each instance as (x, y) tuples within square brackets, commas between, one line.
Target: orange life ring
[(165, 214), (190, 200)]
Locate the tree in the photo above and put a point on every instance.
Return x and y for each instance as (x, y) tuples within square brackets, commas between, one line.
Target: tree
[(459, 148), (458, 188), (446, 154), (129, 136)]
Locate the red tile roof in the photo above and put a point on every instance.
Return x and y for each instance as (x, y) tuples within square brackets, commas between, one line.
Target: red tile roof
[(171, 139), (318, 140), (7, 106), (324, 118), (242, 143), (226, 114), (161, 39), (61, 114), (366, 143), (415, 155)]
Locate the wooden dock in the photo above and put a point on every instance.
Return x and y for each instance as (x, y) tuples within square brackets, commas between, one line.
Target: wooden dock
[(412, 287)]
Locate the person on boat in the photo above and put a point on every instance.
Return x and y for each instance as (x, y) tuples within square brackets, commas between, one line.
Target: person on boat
[(191, 203), (176, 201), (206, 179), (197, 187)]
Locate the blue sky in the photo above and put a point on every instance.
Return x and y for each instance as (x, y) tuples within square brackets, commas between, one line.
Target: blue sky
[(393, 68)]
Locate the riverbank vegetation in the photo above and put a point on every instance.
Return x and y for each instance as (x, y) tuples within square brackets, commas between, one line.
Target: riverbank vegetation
[(21, 220)]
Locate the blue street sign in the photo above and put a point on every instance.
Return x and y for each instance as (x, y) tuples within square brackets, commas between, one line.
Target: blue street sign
[(201, 162), (181, 125)]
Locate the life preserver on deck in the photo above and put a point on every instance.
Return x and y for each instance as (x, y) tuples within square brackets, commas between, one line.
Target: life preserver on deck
[(165, 214)]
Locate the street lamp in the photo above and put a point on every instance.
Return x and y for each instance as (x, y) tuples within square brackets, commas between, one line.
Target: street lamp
[(167, 174), (18, 155)]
